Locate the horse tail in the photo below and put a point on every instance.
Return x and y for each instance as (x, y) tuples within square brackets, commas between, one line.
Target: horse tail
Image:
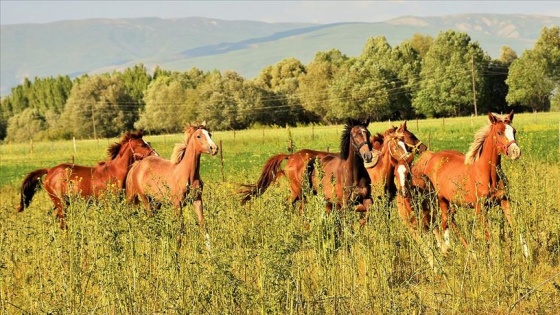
[(270, 172), (29, 186)]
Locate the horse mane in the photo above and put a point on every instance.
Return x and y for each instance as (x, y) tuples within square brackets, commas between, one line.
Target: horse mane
[(115, 148), (476, 146), (180, 148)]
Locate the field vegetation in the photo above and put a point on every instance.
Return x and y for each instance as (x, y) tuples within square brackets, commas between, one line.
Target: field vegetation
[(263, 257)]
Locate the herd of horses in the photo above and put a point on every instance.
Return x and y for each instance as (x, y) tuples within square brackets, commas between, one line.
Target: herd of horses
[(391, 165)]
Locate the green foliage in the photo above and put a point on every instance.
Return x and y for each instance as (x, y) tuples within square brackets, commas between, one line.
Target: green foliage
[(318, 80), (98, 106), (25, 126), (534, 77), (446, 87)]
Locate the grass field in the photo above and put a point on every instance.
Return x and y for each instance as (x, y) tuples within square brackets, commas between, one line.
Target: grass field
[(263, 257)]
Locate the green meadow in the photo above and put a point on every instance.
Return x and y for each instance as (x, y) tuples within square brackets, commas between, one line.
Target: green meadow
[(265, 258)]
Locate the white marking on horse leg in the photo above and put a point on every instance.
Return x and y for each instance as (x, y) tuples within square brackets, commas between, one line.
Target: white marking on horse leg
[(207, 240), (446, 237), (524, 245), (401, 170)]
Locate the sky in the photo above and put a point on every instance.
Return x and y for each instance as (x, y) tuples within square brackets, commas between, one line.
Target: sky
[(323, 12)]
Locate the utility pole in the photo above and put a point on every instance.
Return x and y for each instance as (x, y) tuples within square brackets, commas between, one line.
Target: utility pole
[(473, 85), (93, 120)]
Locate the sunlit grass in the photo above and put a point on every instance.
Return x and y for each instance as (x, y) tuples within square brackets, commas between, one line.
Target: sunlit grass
[(265, 258)]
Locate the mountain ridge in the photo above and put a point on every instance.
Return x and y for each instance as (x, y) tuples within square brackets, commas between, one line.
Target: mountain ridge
[(75, 47)]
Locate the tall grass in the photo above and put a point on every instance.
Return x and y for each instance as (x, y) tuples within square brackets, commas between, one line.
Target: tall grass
[(265, 258)]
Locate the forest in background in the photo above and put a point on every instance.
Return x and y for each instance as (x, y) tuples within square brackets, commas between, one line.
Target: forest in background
[(424, 76)]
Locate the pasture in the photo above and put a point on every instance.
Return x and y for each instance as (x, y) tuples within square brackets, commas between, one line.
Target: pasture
[(265, 258)]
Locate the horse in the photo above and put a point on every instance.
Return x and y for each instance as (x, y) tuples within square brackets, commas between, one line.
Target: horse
[(154, 179), (343, 178), (472, 179), (296, 164), (89, 182)]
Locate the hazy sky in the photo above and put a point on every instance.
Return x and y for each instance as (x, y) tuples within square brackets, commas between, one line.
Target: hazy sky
[(17, 12)]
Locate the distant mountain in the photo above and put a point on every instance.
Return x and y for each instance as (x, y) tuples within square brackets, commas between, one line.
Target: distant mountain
[(103, 45)]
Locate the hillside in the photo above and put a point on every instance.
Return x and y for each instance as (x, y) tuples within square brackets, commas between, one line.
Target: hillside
[(101, 45)]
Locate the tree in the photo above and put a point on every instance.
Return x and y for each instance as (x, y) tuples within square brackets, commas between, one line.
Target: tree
[(494, 96), (535, 76), (316, 82), (168, 107), (25, 126), (227, 101), (281, 82), (448, 69), (420, 43), (359, 92), (97, 107)]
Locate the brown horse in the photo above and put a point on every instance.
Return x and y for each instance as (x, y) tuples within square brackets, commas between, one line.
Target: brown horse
[(160, 180), (393, 151), (66, 179), (294, 170), (296, 164), (471, 180), (343, 178)]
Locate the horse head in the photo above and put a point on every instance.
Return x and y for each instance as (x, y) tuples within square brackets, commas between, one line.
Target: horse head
[(503, 134), (413, 144), (395, 143), (359, 137), (202, 138), (132, 142)]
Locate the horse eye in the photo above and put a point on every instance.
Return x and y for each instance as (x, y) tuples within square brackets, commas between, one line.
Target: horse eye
[(499, 133), (198, 137)]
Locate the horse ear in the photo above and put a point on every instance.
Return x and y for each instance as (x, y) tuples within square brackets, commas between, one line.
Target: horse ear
[(510, 116), (404, 125), (493, 119)]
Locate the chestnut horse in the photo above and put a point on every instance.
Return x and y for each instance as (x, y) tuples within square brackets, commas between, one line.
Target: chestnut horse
[(155, 179), (296, 164), (471, 180), (65, 179)]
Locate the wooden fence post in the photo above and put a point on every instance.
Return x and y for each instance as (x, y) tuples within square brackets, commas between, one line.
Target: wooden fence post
[(222, 161)]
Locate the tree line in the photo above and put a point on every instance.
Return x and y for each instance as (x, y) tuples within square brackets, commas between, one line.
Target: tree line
[(449, 75)]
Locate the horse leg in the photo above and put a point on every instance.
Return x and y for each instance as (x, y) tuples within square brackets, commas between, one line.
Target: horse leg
[(482, 213), (444, 206), (404, 208)]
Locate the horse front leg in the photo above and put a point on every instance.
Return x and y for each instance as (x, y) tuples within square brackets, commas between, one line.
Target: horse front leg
[(404, 207), (482, 213)]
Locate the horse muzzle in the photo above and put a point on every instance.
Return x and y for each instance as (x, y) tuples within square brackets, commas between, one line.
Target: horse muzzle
[(213, 150), (513, 151)]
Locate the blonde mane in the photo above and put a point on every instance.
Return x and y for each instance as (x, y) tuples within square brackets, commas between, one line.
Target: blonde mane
[(180, 148), (474, 150)]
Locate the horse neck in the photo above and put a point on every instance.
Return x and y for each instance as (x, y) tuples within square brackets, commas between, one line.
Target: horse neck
[(121, 162), (385, 162), (488, 161), (351, 163), (190, 164)]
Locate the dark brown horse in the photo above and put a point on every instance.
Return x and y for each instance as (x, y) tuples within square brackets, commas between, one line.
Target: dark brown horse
[(88, 182), (471, 180), (296, 164), (342, 178), (155, 179)]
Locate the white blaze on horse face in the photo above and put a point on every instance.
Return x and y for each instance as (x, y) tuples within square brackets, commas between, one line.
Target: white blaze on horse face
[(213, 148), (403, 146), (513, 151)]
